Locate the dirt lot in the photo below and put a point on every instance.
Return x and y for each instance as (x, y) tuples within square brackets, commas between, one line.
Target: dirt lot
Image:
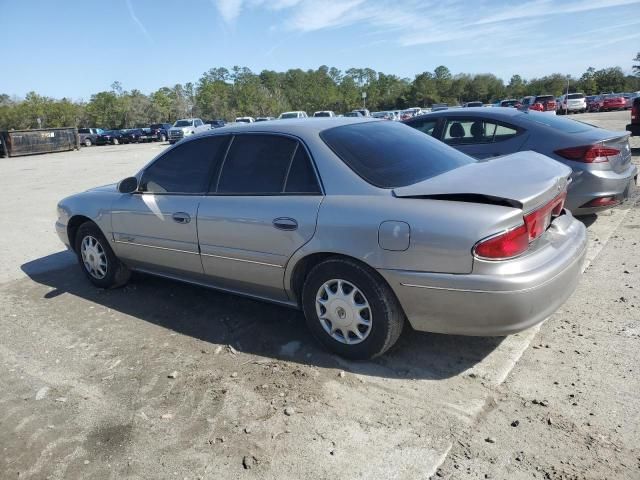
[(164, 380)]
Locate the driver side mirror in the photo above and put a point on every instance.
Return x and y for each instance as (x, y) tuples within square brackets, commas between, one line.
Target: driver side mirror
[(128, 185)]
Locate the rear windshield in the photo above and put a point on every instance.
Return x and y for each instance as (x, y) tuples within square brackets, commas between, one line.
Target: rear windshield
[(575, 96), (559, 123), (391, 154), (289, 115), (545, 98), (322, 114)]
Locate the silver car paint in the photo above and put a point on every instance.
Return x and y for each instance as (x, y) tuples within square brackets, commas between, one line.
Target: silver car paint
[(589, 180), (240, 251)]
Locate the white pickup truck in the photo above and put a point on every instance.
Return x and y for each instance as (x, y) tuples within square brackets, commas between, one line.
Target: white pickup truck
[(185, 127)]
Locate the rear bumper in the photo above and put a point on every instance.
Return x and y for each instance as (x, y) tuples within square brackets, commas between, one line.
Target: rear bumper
[(588, 185), (506, 298)]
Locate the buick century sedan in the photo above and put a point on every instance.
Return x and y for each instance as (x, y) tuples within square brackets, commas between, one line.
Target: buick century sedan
[(365, 225)]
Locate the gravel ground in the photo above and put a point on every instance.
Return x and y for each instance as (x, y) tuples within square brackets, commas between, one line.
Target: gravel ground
[(165, 380)]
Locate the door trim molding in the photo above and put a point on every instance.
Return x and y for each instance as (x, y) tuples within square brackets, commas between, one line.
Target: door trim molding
[(156, 247), (241, 260)]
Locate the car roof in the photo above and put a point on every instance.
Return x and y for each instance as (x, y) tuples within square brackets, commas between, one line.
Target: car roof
[(472, 111), (293, 126)]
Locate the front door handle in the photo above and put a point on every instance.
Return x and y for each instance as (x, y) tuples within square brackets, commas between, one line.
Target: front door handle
[(181, 217), (285, 223)]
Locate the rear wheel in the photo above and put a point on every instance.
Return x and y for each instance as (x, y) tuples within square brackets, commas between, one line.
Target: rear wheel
[(350, 309), (97, 260), (87, 142), (163, 138)]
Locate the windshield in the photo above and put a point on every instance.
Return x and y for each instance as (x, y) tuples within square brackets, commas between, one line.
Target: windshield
[(183, 123), (322, 114), (289, 115), (391, 154), (559, 123)]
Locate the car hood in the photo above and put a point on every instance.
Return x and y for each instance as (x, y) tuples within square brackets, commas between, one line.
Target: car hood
[(112, 187), (524, 180)]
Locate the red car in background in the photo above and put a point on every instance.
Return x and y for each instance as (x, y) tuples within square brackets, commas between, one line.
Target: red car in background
[(539, 103), (608, 102)]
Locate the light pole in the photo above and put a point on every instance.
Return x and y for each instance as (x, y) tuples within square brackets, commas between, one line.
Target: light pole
[(364, 100)]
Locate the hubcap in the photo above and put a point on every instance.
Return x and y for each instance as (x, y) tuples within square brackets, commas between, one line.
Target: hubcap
[(343, 311), (93, 257)]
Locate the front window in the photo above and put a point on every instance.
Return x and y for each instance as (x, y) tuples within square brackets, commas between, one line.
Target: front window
[(390, 154), (184, 169)]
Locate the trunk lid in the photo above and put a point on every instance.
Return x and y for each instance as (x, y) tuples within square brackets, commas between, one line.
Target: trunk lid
[(524, 180)]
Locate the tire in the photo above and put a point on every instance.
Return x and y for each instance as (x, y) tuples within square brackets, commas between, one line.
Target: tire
[(92, 246), (376, 303), (87, 142), (115, 141), (163, 138)]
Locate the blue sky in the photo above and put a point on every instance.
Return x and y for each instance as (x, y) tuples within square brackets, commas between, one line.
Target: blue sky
[(74, 48)]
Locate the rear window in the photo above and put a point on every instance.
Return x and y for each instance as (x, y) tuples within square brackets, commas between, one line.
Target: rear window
[(545, 98), (575, 96), (390, 154), (559, 123)]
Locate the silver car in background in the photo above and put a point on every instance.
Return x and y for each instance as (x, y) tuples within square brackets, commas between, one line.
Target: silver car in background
[(362, 224), (603, 173)]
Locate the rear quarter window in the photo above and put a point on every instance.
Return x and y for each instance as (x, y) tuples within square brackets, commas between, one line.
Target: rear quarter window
[(390, 154)]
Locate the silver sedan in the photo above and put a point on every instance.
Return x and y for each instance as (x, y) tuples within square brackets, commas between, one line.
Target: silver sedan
[(603, 174), (365, 225)]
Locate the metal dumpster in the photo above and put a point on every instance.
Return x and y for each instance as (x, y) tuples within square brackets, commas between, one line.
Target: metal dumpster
[(14, 143)]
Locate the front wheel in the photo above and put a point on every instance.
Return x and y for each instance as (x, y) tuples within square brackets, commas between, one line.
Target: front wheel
[(163, 138), (98, 262), (351, 310)]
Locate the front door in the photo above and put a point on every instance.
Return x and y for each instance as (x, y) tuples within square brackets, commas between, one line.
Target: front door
[(262, 209), (156, 228)]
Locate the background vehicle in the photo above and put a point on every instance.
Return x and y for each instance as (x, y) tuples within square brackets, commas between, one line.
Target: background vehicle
[(510, 102), (160, 131), (217, 123), (324, 113), (472, 104), (612, 101), (634, 126), (185, 127), (245, 120), (134, 135), (589, 101), (113, 137), (603, 174), (264, 119), (629, 98), (572, 103), (353, 114), (358, 223), (539, 103), (363, 111), (88, 135), (295, 114)]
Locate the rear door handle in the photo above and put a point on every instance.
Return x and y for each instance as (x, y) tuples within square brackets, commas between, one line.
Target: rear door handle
[(181, 217), (285, 223)]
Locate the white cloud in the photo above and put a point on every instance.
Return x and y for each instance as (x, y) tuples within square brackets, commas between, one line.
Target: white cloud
[(540, 8), (137, 21), (229, 9)]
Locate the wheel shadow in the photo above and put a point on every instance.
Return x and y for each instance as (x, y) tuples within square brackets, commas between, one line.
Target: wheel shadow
[(251, 326)]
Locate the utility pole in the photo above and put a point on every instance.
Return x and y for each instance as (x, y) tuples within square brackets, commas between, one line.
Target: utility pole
[(364, 99)]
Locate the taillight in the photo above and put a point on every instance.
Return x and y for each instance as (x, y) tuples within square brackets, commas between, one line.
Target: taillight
[(588, 153), (537, 106), (516, 241), (602, 202), (505, 245), (538, 220)]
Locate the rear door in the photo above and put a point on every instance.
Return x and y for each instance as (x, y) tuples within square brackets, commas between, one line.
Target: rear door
[(156, 228), (263, 208), (482, 138)]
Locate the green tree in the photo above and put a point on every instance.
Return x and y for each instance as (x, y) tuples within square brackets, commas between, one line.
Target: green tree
[(636, 67)]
